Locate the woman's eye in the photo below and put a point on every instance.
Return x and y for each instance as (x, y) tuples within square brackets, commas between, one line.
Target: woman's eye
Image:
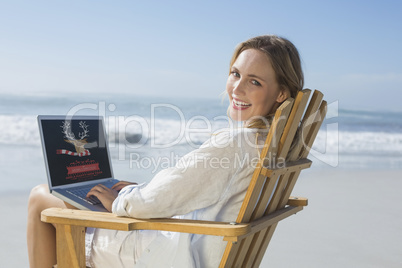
[(256, 83), (235, 74)]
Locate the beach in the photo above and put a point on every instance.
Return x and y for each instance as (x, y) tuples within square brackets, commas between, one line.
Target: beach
[(353, 220), (166, 76)]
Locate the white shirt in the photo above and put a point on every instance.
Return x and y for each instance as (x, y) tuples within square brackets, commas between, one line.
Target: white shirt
[(207, 184)]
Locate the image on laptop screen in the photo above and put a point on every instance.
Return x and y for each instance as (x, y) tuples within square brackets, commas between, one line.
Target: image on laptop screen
[(76, 150)]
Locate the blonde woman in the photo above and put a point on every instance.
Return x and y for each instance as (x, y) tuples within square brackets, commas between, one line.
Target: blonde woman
[(207, 184)]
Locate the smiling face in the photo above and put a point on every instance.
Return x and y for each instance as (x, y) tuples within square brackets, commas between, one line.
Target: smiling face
[(252, 87)]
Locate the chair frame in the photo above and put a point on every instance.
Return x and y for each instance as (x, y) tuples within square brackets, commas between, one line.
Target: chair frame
[(267, 200)]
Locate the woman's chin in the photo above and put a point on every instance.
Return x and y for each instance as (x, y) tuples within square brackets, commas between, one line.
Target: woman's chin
[(236, 117)]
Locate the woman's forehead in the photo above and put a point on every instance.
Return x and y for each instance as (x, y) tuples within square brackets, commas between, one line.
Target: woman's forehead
[(254, 61)]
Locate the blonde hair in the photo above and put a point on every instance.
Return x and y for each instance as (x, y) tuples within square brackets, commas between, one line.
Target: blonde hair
[(285, 60)]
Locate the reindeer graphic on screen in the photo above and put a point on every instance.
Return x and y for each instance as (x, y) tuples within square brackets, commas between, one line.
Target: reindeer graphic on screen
[(79, 144)]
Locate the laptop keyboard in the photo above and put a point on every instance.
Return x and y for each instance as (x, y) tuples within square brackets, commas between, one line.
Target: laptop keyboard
[(82, 192)]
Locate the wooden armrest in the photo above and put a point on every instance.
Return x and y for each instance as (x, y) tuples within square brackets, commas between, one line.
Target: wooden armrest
[(292, 166), (110, 221), (266, 221), (231, 231), (297, 201)]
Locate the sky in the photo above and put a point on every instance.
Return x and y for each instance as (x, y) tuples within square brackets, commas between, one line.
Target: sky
[(351, 50)]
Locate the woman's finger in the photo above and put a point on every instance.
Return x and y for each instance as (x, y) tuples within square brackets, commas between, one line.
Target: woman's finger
[(120, 185), (104, 194), (96, 190)]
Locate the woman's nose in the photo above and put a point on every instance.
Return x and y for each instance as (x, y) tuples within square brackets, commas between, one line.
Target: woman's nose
[(238, 88)]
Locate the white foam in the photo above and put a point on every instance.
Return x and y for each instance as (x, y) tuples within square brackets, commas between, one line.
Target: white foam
[(23, 130), (19, 130)]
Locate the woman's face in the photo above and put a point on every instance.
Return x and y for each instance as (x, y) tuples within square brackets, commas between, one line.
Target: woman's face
[(252, 87)]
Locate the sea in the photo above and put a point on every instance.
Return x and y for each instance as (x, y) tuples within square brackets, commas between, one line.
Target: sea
[(147, 134)]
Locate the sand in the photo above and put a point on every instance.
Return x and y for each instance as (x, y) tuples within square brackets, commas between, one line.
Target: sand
[(354, 219)]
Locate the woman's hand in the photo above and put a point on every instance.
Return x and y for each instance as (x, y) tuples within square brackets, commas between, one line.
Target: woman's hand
[(108, 195), (121, 184), (105, 195)]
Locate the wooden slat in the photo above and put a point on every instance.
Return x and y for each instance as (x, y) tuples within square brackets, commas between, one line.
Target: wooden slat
[(320, 115), (319, 119), (272, 141), (253, 243), (281, 194), (290, 167), (293, 122), (258, 180), (308, 139), (269, 148), (246, 244), (302, 98), (228, 255), (266, 193), (306, 149), (276, 129), (260, 236), (267, 221), (70, 246), (266, 172), (308, 119), (315, 114), (283, 180), (297, 201)]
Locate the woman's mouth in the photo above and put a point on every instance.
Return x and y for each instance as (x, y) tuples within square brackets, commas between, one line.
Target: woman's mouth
[(240, 105)]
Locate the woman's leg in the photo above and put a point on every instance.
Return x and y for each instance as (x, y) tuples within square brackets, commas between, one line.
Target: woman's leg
[(41, 236)]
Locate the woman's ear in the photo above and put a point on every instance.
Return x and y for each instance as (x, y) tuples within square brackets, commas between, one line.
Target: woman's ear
[(283, 95)]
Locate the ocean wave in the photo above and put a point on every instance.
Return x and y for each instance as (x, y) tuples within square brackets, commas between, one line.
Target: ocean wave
[(22, 130), (19, 130), (358, 143), (161, 132)]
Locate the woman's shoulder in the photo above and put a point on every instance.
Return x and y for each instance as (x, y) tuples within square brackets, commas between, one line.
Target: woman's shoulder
[(234, 138)]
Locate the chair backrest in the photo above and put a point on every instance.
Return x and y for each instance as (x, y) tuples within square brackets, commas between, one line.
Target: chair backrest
[(271, 186)]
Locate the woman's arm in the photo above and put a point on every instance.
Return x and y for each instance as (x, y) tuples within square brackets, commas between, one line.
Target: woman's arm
[(197, 181)]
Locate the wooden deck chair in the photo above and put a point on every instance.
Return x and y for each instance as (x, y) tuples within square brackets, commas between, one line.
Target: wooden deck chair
[(267, 200)]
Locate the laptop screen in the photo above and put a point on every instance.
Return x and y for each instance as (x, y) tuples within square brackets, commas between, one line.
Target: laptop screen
[(75, 149)]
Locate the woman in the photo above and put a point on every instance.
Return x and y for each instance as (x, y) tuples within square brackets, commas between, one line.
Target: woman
[(207, 184)]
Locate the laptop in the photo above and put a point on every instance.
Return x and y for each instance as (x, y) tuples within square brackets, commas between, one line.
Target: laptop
[(76, 158)]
